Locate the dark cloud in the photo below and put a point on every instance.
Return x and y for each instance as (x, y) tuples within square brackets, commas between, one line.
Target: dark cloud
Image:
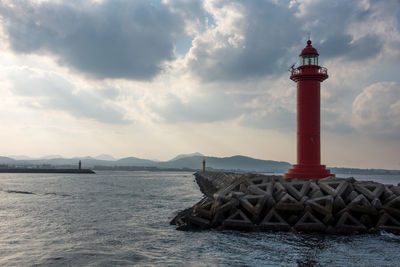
[(113, 39), (269, 30), (49, 91), (274, 34), (133, 39), (329, 22), (344, 46)]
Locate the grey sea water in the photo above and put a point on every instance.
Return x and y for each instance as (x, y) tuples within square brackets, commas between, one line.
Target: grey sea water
[(122, 219)]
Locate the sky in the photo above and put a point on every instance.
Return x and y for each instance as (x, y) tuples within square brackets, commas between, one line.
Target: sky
[(158, 78)]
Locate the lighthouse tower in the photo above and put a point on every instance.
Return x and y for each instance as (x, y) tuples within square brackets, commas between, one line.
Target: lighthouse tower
[(308, 77)]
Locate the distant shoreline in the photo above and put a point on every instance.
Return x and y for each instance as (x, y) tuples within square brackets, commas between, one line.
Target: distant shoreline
[(40, 170)]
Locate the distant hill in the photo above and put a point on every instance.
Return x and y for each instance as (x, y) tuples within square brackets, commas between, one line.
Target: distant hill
[(105, 157), (240, 163), (51, 157), (132, 161), (7, 160), (188, 161), (184, 161), (20, 157), (187, 156)]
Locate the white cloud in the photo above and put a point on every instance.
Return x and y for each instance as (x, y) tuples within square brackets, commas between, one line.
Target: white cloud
[(44, 90), (376, 110)]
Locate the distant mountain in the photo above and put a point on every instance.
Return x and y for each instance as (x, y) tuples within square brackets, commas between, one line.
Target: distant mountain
[(20, 157), (241, 163), (105, 157), (187, 156), (187, 161), (194, 162), (7, 160), (51, 157), (132, 161)]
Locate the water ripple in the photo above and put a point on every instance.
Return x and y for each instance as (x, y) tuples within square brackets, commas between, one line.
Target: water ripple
[(122, 219)]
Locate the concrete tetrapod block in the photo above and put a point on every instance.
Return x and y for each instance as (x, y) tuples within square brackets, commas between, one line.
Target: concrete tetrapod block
[(315, 191), (322, 205), (240, 185), (262, 179), (297, 188), (388, 199), (395, 189), (333, 187), (204, 208), (348, 224), (388, 223), (376, 203), (254, 203), (288, 203), (366, 220), (238, 220), (279, 191), (387, 192), (200, 222), (338, 204), (362, 205), (369, 189), (262, 189), (328, 219), (273, 221), (393, 207), (309, 223), (212, 182), (352, 195), (219, 207)]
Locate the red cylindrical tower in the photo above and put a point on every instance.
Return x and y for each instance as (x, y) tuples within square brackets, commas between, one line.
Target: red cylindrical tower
[(308, 77)]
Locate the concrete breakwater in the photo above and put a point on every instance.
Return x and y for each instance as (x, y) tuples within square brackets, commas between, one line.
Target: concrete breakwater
[(42, 170), (256, 202)]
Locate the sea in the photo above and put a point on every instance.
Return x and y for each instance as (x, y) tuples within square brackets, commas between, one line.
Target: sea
[(121, 218)]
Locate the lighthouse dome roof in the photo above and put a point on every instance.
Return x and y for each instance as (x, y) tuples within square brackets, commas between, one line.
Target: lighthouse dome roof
[(309, 50)]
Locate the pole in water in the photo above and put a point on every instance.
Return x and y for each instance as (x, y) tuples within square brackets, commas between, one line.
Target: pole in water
[(204, 165)]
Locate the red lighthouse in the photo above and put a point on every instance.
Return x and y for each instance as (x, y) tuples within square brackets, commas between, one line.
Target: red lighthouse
[(308, 77)]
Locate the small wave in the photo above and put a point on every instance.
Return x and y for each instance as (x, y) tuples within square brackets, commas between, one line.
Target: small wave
[(32, 193), (56, 194), (19, 192), (389, 235)]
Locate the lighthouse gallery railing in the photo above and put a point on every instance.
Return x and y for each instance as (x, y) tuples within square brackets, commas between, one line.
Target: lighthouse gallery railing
[(321, 70)]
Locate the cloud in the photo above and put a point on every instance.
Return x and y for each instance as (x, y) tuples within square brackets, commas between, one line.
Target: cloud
[(107, 39), (376, 110), (193, 12), (346, 47), (204, 108), (49, 91), (250, 39), (278, 118), (336, 120), (253, 39)]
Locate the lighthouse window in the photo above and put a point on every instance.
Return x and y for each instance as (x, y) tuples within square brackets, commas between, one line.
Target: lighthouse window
[(308, 60)]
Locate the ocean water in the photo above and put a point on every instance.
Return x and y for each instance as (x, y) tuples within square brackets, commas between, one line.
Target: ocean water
[(122, 219)]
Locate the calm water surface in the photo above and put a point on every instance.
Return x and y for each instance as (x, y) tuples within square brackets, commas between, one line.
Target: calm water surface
[(122, 218)]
